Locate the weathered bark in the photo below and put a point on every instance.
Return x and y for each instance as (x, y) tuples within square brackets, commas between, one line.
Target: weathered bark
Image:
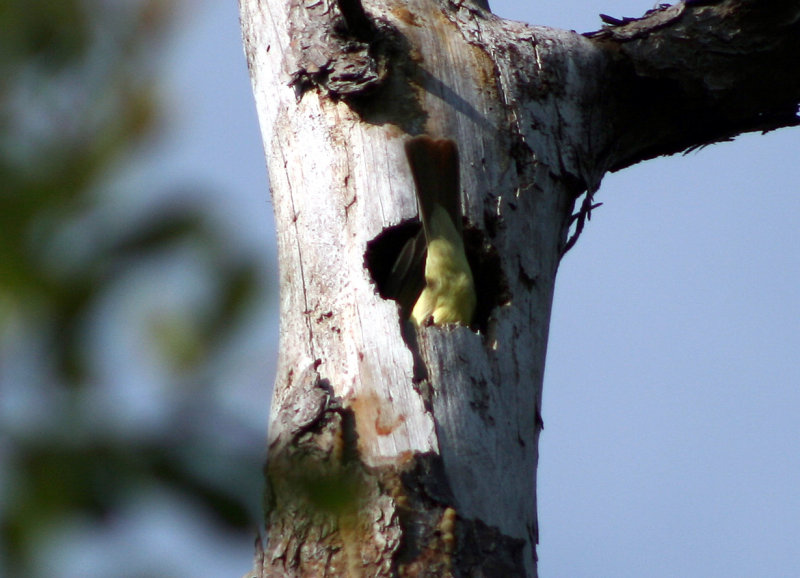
[(695, 73), (413, 452)]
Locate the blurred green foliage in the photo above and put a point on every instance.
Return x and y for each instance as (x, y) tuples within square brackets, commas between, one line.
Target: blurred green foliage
[(78, 97)]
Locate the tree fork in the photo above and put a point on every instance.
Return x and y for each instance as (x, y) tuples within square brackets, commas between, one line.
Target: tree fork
[(396, 451)]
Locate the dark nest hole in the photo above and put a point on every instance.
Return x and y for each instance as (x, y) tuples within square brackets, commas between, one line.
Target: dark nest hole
[(383, 252)]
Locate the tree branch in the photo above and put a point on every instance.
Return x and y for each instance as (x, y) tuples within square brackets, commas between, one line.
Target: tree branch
[(698, 72)]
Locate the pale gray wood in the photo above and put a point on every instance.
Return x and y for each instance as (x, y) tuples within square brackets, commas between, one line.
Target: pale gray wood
[(539, 116)]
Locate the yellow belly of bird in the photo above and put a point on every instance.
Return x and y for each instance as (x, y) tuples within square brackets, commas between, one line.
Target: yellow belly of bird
[(449, 294)]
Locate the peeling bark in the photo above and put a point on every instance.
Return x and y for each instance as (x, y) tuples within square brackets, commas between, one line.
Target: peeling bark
[(403, 452)]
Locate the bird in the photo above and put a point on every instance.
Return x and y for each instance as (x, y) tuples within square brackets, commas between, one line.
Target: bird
[(448, 294)]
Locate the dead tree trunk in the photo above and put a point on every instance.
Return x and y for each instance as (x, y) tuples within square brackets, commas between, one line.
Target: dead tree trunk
[(413, 452)]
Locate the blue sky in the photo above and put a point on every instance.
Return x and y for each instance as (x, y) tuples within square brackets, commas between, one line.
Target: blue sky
[(672, 389)]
